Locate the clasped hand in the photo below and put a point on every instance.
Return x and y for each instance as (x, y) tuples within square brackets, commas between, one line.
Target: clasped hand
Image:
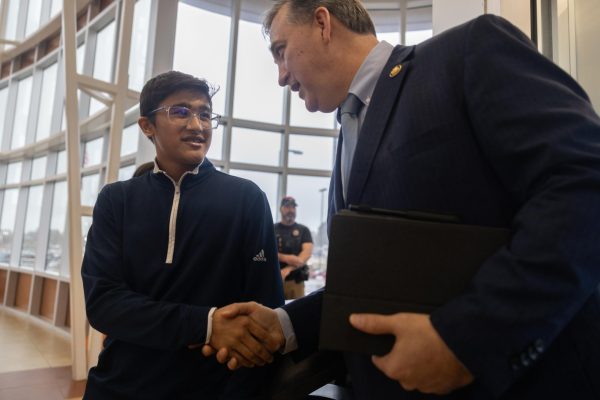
[(244, 334)]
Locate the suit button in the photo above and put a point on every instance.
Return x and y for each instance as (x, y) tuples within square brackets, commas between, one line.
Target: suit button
[(539, 346), (532, 353), (525, 360)]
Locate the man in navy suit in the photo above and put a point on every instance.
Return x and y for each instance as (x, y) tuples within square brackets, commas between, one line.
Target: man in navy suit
[(476, 123)]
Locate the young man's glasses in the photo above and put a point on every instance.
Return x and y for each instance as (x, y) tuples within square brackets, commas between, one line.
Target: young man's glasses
[(181, 115)]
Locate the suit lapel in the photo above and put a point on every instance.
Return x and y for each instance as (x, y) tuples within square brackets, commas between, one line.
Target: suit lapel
[(377, 117)]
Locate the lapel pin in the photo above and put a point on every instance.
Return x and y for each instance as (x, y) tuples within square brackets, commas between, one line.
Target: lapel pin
[(396, 70)]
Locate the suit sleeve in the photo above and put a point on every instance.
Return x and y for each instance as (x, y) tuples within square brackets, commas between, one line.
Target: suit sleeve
[(116, 310), (537, 129)]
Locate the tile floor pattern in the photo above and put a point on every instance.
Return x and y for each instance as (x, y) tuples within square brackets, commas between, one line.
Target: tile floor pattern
[(34, 361)]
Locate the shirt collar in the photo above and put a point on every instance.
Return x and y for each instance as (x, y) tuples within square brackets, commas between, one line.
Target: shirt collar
[(363, 84)]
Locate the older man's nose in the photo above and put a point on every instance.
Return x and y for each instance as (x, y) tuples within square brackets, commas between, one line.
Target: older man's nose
[(283, 75)]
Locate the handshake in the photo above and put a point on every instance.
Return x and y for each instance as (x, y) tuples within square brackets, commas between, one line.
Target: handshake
[(244, 335)]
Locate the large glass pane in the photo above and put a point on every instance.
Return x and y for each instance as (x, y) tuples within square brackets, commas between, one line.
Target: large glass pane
[(392, 38), (300, 116), (7, 224), (314, 152), (129, 141), (258, 96), (56, 7), (216, 145), (92, 152), (255, 147), (103, 56), (126, 172), (34, 14), (103, 60), (11, 19), (89, 189), (207, 32), (57, 228), (13, 172), (61, 162), (46, 102), (416, 37), (38, 168), (79, 58), (311, 198), (311, 194), (3, 104), (266, 181), (139, 44), (32, 224), (21, 112)]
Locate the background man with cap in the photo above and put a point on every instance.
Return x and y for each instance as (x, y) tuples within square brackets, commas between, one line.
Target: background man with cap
[(294, 246)]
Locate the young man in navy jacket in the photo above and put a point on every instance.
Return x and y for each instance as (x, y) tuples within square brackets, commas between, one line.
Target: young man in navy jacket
[(167, 250)]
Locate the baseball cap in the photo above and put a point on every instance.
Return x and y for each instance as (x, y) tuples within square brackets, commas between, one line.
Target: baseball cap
[(288, 201)]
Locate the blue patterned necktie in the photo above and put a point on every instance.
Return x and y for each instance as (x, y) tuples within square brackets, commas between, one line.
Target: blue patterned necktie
[(349, 110)]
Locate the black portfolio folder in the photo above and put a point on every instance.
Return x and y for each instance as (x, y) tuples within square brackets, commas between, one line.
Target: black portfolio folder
[(387, 262)]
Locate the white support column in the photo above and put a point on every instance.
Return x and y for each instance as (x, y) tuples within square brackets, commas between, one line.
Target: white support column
[(122, 83), (77, 304)]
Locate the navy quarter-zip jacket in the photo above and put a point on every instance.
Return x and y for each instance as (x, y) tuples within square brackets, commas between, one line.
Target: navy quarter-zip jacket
[(159, 255)]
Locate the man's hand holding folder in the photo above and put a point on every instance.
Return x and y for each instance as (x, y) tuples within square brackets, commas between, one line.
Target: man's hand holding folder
[(419, 358)]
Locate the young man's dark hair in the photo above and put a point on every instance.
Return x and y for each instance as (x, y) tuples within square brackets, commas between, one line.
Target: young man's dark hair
[(161, 86)]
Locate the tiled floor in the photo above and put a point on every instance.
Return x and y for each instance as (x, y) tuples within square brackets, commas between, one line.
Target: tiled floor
[(34, 360)]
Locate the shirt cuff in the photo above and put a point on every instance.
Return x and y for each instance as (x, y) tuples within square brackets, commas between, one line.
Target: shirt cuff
[(288, 331), (209, 325)]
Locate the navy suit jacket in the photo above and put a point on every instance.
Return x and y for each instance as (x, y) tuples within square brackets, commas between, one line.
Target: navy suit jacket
[(480, 125)]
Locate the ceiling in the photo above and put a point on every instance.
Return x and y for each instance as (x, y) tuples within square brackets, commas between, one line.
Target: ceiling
[(385, 13)]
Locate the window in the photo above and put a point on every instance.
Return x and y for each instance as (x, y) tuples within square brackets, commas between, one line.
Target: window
[(13, 173), (56, 238), (7, 224), (216, 144), (139, 44), (46, 102), (311, 198), (258, 96), (92, 152), (103, 60), (255, 147), (312, 152), (300, 116), (21, 113), (266, 181), (209, 59), (129, 141), (32, 224), (56, 7), (89, 189), (416, 37), (61, 162), (3, 104), (34, 14), (11, 19), (126, 172), (38, 168)]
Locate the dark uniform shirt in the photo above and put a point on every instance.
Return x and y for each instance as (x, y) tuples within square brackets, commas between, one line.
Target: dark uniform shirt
[(289, 241)]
